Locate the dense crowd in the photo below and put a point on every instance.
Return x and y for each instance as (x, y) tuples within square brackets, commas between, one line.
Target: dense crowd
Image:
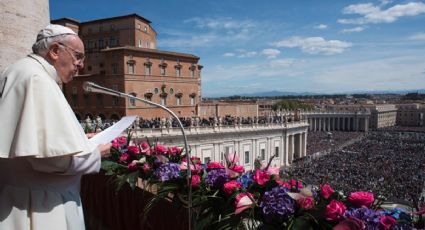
[(404, 128), (325, 141), (388, 163)]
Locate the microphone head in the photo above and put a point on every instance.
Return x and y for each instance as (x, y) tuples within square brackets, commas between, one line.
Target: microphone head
[(87, 86)]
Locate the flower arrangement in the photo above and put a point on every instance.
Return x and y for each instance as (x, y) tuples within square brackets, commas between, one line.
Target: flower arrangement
[(226, 196)]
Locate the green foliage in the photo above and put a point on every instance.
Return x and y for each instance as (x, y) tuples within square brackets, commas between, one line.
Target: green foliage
[(291, 105)]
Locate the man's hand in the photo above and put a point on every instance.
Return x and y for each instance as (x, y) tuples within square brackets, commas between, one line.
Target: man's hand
[(104, 150)]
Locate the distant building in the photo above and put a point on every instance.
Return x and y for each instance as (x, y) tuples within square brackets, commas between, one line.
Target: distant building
[(121, 54), (410, 115)]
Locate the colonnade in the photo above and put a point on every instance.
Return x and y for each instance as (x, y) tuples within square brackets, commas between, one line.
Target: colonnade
[(337, 122)]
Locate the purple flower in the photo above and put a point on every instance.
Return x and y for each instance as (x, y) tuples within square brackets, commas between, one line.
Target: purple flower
[(277, 205), (369, 217), (167, 171), (216, 178), (245, 180)]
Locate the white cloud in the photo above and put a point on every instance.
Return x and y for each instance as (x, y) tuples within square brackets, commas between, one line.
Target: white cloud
[(352, 30), (374, 14), (321, 27), (418, 37), (226, 23), (282, 62), (385, 2), (229, 55), (244, 53), (315, 45), (270, 53)]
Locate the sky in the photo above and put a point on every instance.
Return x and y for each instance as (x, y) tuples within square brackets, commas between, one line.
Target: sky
[(251, 46)]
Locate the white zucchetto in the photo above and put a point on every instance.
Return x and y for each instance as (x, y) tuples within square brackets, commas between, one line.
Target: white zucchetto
[(54, 30)]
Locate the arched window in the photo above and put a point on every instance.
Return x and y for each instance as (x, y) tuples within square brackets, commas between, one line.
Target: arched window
[(132, 101)]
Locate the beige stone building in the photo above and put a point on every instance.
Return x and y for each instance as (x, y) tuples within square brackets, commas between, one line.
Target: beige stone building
[(410, 114), (121, 54)]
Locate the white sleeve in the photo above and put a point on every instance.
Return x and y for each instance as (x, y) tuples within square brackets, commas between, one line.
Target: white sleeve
[(68, 165)]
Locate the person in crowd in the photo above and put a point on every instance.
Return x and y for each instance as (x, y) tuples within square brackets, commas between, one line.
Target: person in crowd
[(43, 148)]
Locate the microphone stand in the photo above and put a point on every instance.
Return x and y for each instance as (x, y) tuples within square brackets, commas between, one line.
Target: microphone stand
[(94, 88)]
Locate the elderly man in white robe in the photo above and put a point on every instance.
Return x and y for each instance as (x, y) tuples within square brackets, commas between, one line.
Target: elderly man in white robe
[(43, 149)]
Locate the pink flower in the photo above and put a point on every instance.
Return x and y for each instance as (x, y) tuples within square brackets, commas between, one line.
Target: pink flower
[(133, 150), (146, 168), (283, 183), (295, 183), (195, 160), (261, 177), (122, 140), (335, 210), (160, 149), (386, 222), (145, 145), (360, 199), (196, 180), (306, 203), (273, 171), (132, 166), (243, 201), (232, 158), (238, 168), (195, 169), (174, 151), (350, 224), (326, 191), (231, 186), (124, 157), (215, 165)]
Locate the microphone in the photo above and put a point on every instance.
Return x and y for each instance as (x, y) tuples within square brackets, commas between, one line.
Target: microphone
[(91, 87)]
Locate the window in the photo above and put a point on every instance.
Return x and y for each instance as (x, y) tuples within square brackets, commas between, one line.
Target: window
[(162, 69), (178, 101), (263, 154), (178, 70), (246, 157), (192, 73), (147, 44), (139, 26), (132, 101), (114, 101), (192, 100), (140, 43), (112, 41), (163, 100), (276, 151), (148, 69), (101, 43), (115, 68), (130, 67)]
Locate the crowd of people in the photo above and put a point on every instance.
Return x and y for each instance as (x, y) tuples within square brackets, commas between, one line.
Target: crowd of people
[(391, 164), (325, 141)]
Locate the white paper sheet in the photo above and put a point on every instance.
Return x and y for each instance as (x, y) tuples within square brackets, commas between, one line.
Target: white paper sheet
[(107, 135)]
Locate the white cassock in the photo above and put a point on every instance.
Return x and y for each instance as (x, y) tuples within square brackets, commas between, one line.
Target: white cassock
[(43, 151)]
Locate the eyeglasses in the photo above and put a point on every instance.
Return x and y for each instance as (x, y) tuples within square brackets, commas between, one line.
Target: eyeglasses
[(77, 55)]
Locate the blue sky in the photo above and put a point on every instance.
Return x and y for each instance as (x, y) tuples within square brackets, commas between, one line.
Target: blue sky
[(249, 46)]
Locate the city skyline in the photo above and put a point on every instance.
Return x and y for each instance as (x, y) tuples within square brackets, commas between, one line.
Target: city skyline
[(308, 46)]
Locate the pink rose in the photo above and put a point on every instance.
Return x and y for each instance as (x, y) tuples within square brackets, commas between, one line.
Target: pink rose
[(145, 145), (232, 158), (335, 210), (195, 160), (195, 169), (261, 177), (174, 151), (238, 168), (273, 171), (215, 165), (132, 166), (283, 183), (146, 168), (360, 199), (243, 201), (133, 150), (350, 224), (386, 222), (160, 149), (326, 191), (124, 157), (115, 143), (122, 140), (306, 203), (231, 186), (196, 180)]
